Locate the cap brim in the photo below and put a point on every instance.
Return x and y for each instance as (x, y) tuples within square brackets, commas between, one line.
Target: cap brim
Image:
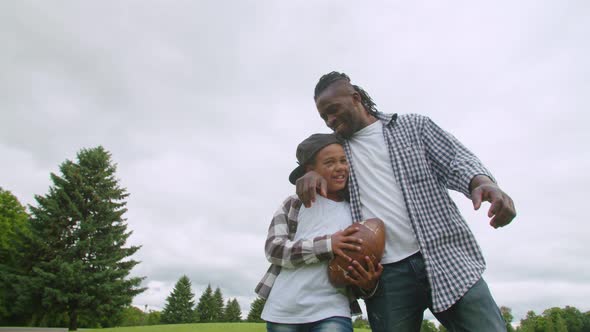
[(296, 174)]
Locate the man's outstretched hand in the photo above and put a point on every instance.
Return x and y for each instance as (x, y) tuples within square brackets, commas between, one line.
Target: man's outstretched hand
[(309, 185), (501, 210)]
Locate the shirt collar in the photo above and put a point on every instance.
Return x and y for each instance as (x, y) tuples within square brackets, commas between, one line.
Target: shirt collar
[(386, 118)]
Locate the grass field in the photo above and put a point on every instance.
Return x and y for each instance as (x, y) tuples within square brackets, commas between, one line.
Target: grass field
[(205, 327)]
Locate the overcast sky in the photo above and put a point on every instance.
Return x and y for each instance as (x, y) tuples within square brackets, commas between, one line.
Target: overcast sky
[(202, 104)]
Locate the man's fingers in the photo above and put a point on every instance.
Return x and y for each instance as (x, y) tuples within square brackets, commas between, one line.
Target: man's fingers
[(323, 186), (495, 207), (311, 194), (476, 198), (503, 217)]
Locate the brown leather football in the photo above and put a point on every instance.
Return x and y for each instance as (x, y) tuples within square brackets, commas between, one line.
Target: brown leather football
[(372, 232)]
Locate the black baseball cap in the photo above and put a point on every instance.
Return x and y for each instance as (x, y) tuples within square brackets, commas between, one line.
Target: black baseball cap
[(307, 150)]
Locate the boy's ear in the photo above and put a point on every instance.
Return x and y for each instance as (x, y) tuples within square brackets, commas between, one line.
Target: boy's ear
[(308, 168)]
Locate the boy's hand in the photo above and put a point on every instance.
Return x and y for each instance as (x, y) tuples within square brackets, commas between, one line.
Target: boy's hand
[(308, 185), (358, 276), (343, 240)]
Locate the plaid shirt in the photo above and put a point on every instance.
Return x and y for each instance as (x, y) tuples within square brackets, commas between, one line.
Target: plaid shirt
[(282, 251), (427, 161)]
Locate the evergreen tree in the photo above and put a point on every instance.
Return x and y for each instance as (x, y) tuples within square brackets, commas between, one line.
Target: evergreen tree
[(232, 312), (14, 234), (179, 304), (204, 307), (256, 310), (82, 264), (217, 306)]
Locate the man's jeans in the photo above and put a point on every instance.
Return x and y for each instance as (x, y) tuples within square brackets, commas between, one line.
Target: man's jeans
[(331, 324), (404, 294)]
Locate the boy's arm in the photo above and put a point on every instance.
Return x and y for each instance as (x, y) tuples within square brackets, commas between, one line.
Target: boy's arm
[(282, 251)]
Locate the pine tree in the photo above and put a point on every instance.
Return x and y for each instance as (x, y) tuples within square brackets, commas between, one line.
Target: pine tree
[(82, 264), (217, 306), (256, 310), (179, 304), (232, 312), (204, 307)]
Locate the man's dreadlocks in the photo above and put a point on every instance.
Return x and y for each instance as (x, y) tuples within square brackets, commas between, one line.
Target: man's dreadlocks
[(327, 80)]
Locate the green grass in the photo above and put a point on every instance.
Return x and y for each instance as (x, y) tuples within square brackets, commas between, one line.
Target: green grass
[(204, 327)]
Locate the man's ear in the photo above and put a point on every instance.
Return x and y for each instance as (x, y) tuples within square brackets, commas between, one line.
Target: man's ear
[(357, 97)]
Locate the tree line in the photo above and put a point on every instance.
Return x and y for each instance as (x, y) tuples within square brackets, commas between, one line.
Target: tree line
[(180, 306), (567, 319)]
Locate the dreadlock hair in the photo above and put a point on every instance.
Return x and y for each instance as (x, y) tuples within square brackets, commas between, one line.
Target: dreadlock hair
[(327, 80)]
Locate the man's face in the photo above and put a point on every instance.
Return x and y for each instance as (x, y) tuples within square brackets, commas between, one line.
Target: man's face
[(340, 108)]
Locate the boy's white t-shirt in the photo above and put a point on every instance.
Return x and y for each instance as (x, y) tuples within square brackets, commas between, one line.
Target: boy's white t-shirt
[(304, 294), (381, 195)]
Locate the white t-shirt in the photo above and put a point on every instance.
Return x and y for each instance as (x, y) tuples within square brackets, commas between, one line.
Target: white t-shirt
[(304, 294), (381, 195)]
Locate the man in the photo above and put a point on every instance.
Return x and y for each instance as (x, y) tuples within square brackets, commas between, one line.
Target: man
[(401, 168)]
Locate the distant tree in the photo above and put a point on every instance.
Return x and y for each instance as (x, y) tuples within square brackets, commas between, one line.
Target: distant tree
[(574, 319), (82, 264), (132, 316), (441, 328), (154, 318), (428, 326), (232, 311), (217, 306), (586, 322), (507, 315), (529, 323), (179, 304), (256, 310), (204, 309), (14, 234)]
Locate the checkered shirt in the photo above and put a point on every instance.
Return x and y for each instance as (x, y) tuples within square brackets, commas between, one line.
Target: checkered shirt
[(282, 251), (427, 161)]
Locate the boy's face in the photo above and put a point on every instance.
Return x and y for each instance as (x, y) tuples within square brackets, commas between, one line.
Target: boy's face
[(332, 165)]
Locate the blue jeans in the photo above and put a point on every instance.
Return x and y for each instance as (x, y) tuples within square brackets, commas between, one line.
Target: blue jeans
[(404, 294), (331, 324)]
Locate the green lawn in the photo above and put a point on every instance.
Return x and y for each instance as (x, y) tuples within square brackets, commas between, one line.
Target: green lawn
[(205, 327)]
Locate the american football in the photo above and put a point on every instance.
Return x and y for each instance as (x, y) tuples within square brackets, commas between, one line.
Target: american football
[(372, 232)]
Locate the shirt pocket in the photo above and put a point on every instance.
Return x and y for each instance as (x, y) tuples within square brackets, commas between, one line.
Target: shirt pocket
[(415, 165)]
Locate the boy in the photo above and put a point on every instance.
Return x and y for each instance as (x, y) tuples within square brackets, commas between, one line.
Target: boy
[(302, 240)]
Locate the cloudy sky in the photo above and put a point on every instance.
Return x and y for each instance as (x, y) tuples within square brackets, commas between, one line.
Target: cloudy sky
[(202, 104)]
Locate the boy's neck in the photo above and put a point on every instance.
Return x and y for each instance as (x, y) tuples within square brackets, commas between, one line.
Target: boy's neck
[(335, 196)]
